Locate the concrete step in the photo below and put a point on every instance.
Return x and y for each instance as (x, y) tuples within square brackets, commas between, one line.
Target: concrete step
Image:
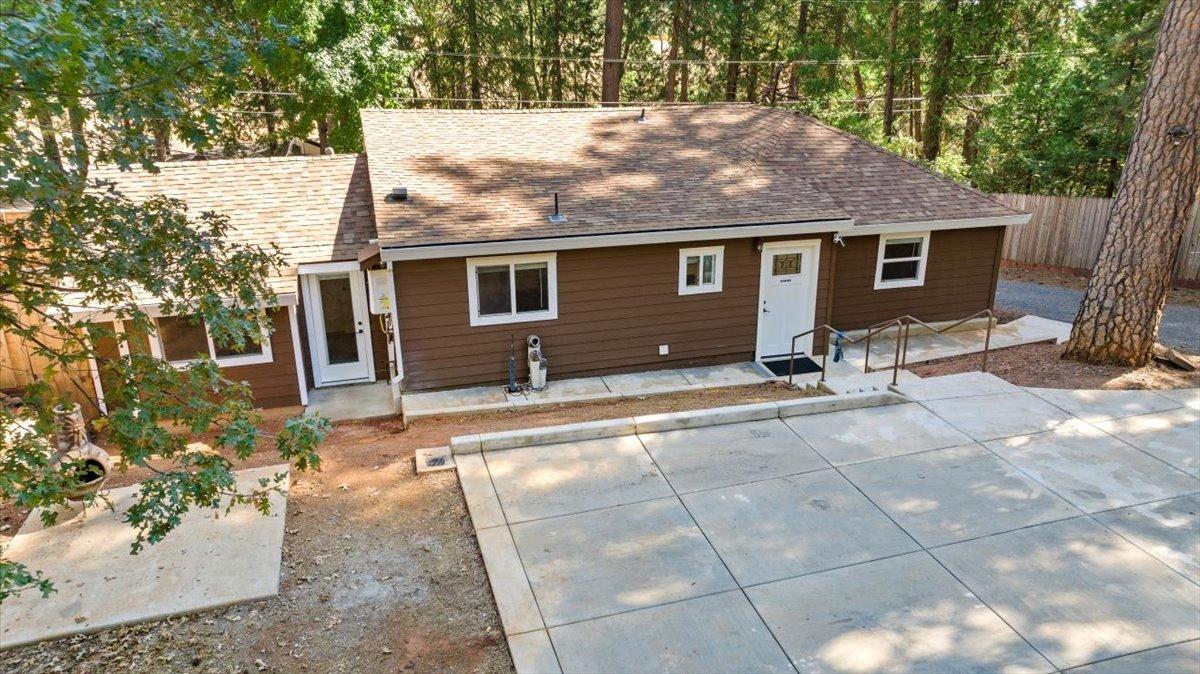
[(858, 383)]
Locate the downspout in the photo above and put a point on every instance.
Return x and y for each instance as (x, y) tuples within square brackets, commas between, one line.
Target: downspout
[(833, 249), (395, 354)]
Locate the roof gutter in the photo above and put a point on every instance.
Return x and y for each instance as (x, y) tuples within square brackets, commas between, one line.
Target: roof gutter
[(609, 240), (934, 225)]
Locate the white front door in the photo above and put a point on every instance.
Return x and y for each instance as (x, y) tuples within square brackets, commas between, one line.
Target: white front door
[(787, 297), (339, 336)]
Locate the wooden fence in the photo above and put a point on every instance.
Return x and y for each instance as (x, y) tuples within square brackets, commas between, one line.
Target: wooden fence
[(1067, 232), (20, 366)]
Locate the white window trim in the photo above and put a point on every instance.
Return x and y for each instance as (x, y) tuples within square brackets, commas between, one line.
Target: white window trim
[(156, 349), (719, 270), (513, 317), (880, 284)]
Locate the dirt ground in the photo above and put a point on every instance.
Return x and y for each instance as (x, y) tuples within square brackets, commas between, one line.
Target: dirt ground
[(1183, 296), (1042, 365), (381, 572)]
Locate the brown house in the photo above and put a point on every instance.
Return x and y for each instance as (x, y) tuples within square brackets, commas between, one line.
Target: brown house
[(625, 240)]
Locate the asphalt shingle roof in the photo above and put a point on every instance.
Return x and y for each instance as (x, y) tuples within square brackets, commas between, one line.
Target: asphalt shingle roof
[(316, 209), (475, 176)]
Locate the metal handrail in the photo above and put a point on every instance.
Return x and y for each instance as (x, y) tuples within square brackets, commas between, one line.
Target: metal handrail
[(903, 325), (825, 355)]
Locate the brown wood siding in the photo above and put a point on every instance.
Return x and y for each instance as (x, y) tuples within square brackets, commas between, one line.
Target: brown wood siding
[(273, 384), (615, 307), (960, 279)]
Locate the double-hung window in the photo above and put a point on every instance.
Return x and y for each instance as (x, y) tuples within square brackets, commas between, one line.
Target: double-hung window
[(901, 262), (700, 270), (512, 288), (182, 339)]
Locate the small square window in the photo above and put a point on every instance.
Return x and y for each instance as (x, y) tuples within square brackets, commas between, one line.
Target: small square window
[(700, 270), (901, 262)]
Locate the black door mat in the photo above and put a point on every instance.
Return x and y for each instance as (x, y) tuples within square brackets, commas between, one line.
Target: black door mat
[(803, 365)]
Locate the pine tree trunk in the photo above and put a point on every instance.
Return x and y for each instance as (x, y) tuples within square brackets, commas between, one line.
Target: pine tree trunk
[(1119, 318), (610, 86), (556, 78), (793, 90), (473, 62), (735, 53), (889, 78), (685, 48), (939, 80), (673, 52)]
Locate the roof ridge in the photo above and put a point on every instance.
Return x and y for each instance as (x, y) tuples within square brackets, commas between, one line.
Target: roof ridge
[(910, 162), (618, 107), (224, 161)]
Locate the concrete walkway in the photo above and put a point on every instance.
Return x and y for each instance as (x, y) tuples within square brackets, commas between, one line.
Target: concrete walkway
[(1180, 326), (980, 527), (211, 559), (631, 385)]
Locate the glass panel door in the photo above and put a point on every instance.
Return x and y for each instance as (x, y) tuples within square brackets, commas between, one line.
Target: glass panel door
[(337, 309)]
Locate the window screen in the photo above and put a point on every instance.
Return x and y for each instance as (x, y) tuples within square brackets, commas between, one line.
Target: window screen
[(182, 337), (495, 296), (701, 270), (533, 286)]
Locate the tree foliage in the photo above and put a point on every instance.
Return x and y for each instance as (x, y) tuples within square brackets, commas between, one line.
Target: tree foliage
[(87, 81)]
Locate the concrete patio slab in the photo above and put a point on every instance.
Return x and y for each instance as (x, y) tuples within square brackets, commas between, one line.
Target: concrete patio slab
[(1103, 405), (1078, 592), (1188, 397), (565, 390), (903, 614), (570, 477), (345, 403), (951, 495), (999, 415), (647, 383), (610, 561), (733, 374), (789, 526), (1092, 469), (480, 495), (1175, 659), (852, 436), (717, 456), (100, 585), (715, 633), (514, 598), (532, 653), (1168, 530), (1172, 436), (436, 402), (956, 386)]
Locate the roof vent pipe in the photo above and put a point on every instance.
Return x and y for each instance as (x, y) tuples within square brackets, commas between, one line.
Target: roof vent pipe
[(398, 194), (642, 118), (557, 217)]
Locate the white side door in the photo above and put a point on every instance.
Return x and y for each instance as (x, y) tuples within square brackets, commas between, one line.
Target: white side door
[(787, 297), (339, 335)]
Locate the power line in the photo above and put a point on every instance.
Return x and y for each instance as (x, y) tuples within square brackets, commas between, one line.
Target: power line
[(662, 62)]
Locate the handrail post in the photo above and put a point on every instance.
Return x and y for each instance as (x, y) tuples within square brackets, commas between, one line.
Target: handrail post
[(792, 361), (867, 357), (896, 363), (987, 340)]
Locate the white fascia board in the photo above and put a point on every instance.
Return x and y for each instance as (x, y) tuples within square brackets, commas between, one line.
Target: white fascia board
[(934, 225), (154, 309), (327, 267), (610, 240)]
